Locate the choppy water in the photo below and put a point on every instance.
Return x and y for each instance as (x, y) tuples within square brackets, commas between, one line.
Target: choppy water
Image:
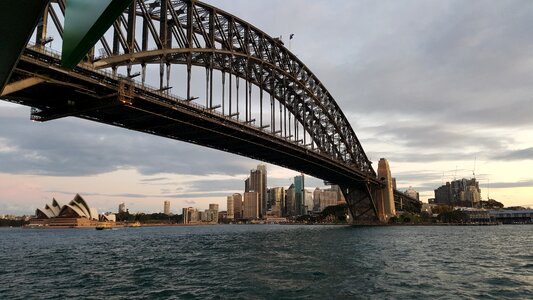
[(273, 262)]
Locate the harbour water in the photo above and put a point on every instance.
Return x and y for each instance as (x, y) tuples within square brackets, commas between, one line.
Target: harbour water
[(268, 262)]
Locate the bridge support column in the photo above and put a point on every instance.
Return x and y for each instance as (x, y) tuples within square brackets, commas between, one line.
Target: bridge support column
[(361, 204)]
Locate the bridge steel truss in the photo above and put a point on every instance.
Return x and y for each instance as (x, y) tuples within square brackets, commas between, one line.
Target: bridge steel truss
[(322, 142)]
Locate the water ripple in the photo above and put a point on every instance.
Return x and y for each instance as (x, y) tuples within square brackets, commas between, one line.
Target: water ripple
[(268, 262)]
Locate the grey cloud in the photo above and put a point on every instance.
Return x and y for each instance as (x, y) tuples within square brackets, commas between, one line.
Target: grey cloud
[(504, 185), (522, 154), (77, 147)]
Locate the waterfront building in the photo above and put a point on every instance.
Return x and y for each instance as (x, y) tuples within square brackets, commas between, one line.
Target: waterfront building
[(202, 216), (523, 216), (251, 205), (299, 187), (108, 217), (316, 200), (308, 201), (229, 208), (212, 213), (237, 206), (121, 208), (277, 200), (327, 198), (77, 213), (166, 207), (257, 182), (290, 203), (190, 215), (459, 191)]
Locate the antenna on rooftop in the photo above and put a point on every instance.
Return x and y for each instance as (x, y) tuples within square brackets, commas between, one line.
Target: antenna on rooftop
[(474, 171)]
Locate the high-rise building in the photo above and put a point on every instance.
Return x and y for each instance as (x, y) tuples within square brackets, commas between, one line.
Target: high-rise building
[(257, 182), (327, 198), (316, 199), (121, 208), (237, 206), (459, 192), (277, 200), (190, 215), (166, 208), (212, 213), (308, 201), (299, 195), (290, 203), (230, 208), (251, 205)]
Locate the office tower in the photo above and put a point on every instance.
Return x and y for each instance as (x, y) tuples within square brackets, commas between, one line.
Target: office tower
[(257, 182), (277, 197), (166, 208), (299, 195), (211, 214), (290, 205), (230, 208), (121, 208), (190, 215), (237, 206), (316, 199), (251, 205), (457, 191), (308, 201), (327, 198)]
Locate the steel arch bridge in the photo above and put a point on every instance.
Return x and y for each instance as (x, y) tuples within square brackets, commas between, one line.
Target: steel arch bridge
[(242, 91)]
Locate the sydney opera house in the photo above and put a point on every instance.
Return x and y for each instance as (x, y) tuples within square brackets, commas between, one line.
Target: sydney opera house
[(76, 213)]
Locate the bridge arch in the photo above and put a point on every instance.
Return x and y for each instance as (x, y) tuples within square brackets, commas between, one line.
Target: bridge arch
[(193, 33), (195, 36)]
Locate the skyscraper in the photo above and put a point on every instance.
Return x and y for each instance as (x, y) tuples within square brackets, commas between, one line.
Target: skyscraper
[(230, 208), (237, 206), (190, 215), (212, 213), (166, 208), (299, 196), (290, 205), (121, 208), (251, 205), (308, 201), (257, 182)]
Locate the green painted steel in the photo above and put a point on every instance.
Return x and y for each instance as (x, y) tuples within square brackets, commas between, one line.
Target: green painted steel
[(85, 22), (18, 18)]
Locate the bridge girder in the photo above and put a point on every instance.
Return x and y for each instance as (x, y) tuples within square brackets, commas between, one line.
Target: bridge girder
[(192, 33)]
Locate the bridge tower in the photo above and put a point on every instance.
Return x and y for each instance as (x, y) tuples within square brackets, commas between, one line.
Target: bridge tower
[(385, 196)]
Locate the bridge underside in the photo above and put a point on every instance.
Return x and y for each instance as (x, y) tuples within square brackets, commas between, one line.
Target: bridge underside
[(55, 93)]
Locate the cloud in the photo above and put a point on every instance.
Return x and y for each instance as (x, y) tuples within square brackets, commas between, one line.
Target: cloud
[(522, 154), (72, 146), (504, 185)]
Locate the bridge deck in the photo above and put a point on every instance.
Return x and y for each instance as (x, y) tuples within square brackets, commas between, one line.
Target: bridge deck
[(97, 96)]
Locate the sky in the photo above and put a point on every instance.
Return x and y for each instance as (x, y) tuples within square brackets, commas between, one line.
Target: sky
[(442, 89)]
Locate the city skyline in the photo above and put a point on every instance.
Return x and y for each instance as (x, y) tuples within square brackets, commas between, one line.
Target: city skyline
[(450, 96)]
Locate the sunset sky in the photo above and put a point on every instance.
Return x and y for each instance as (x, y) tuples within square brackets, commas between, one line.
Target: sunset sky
[(436, 87)]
